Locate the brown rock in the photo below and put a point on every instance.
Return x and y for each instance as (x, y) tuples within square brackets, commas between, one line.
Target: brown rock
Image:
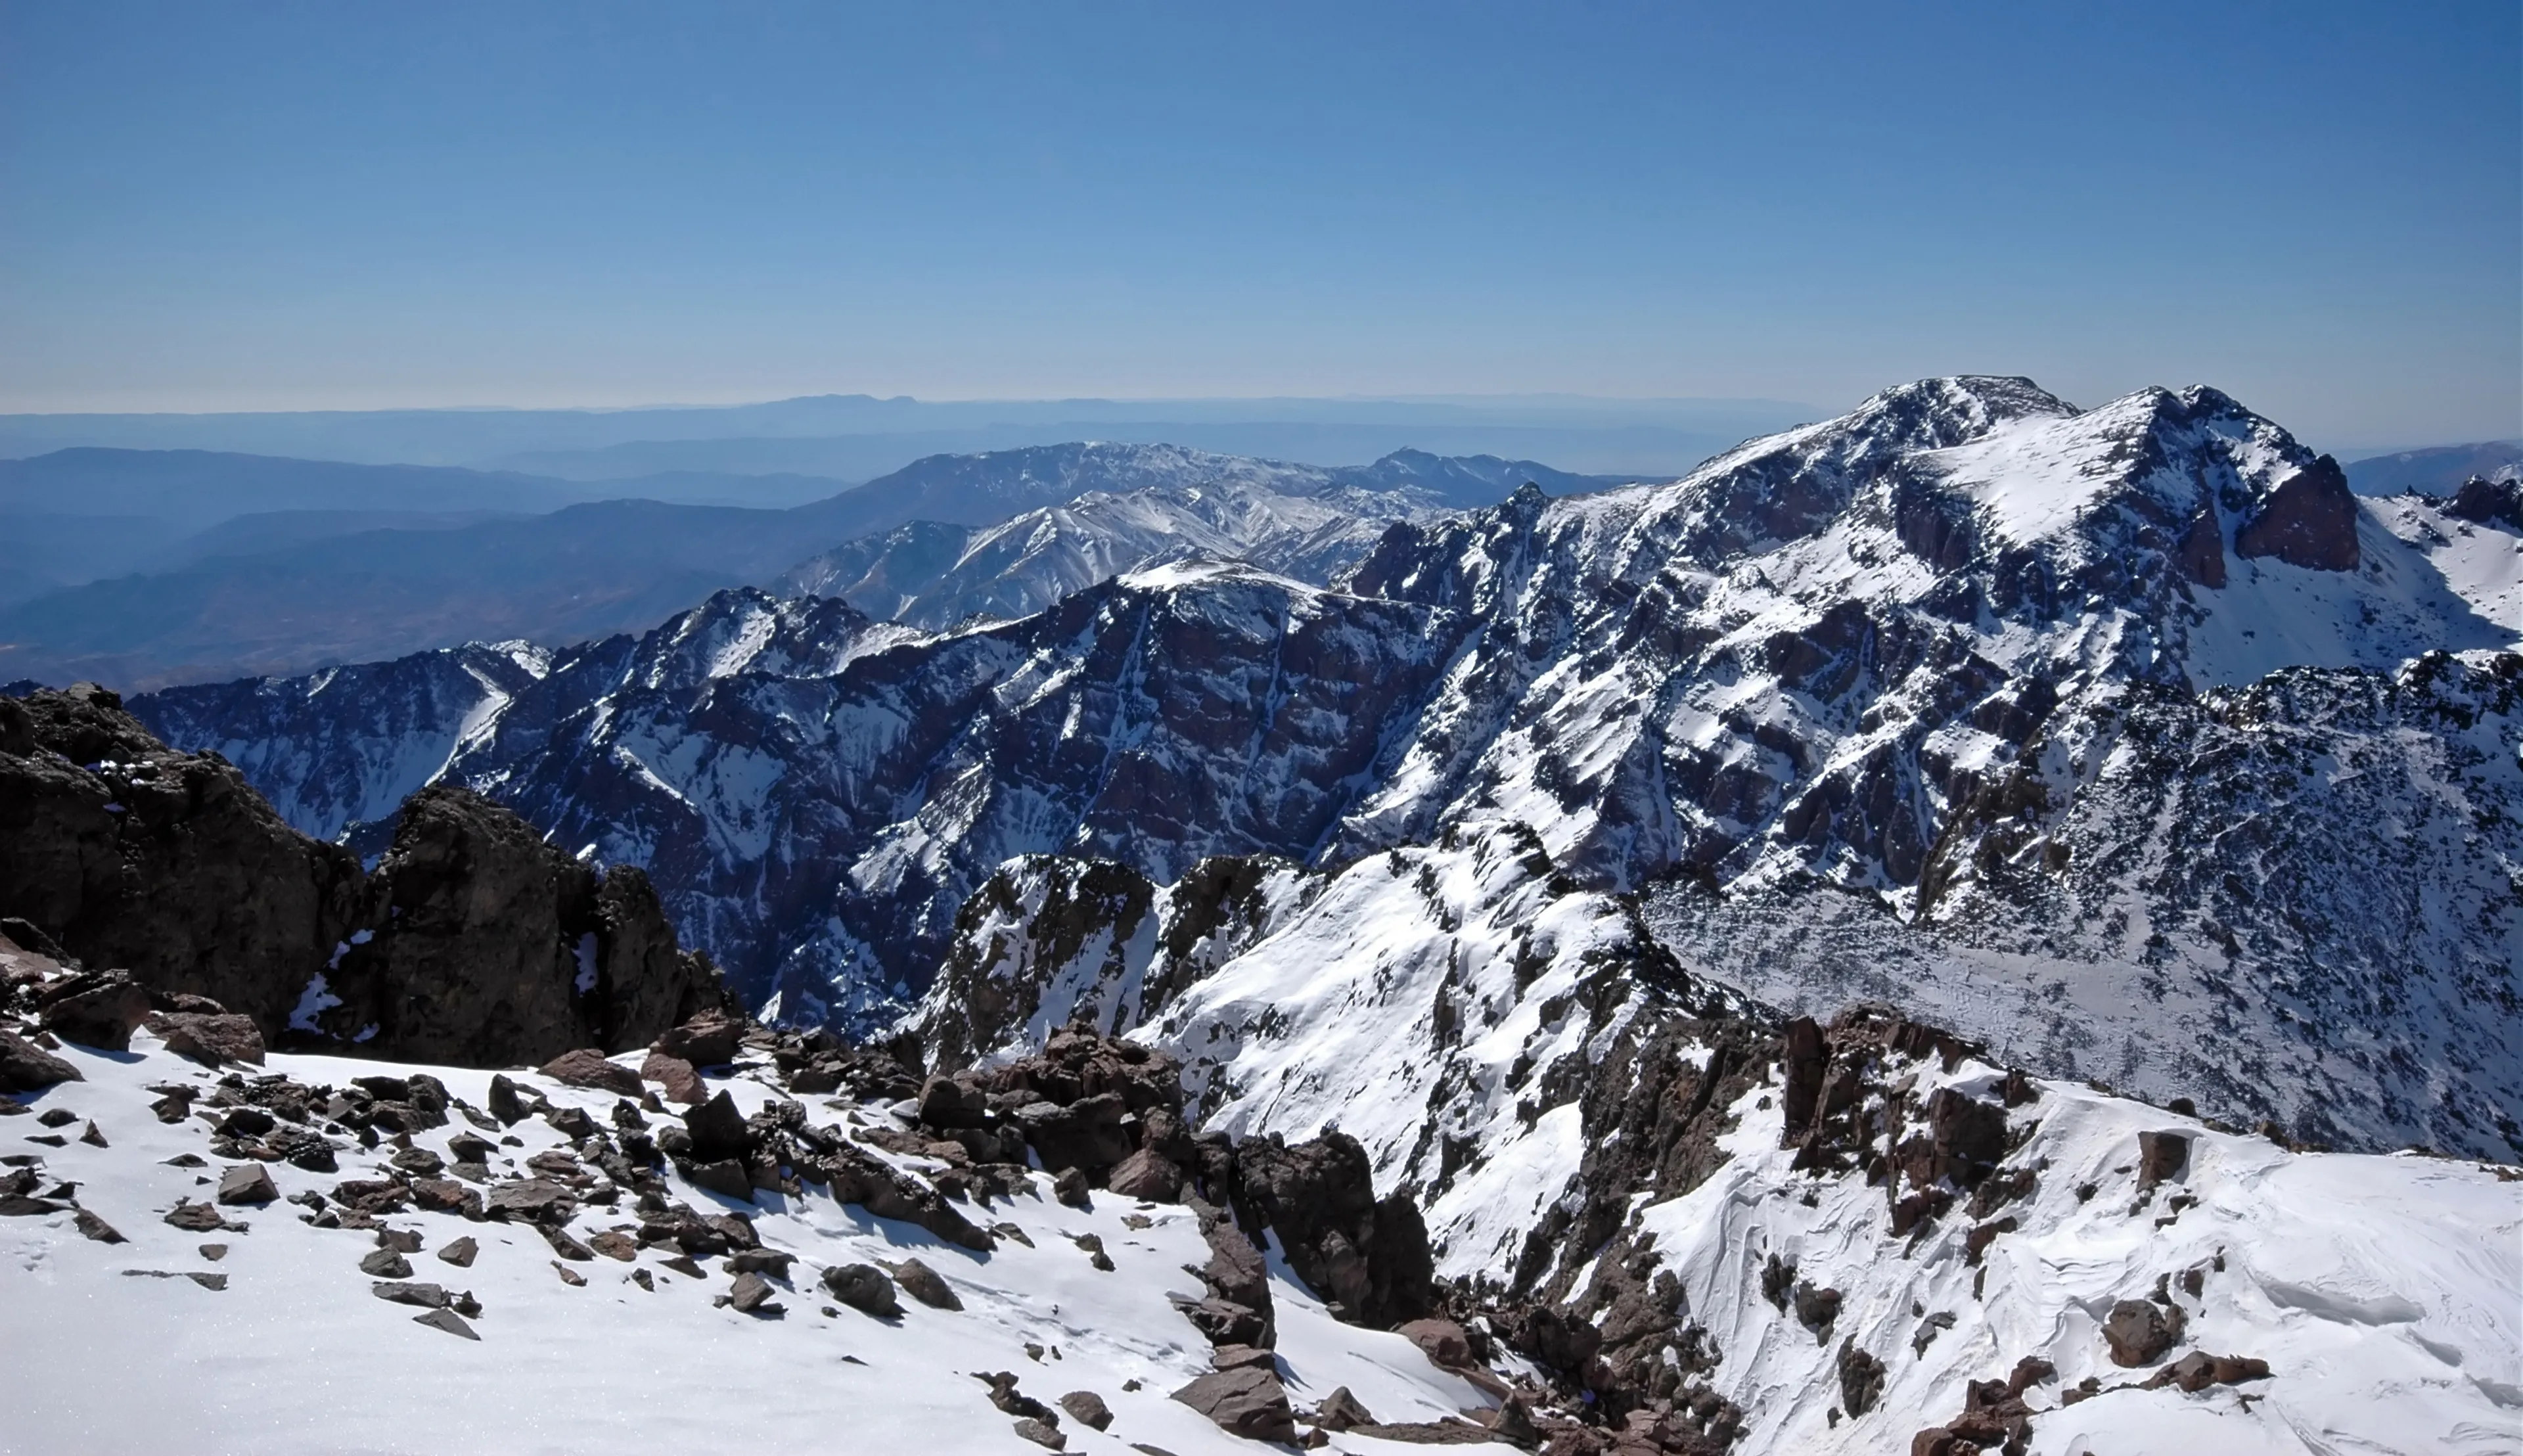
[(1443, 1342), (585, 1066), (926, 1286), (1342, 1411), (2309, 520), (25, 1067), (1041, 1434), (386, 1263), (708, 1039), (1246, 1402), (863, 1288), (751, 1294), (211, 1040), (2161, 1156), (460, 1252), (100, 1009), (2198, 1370), (448, 1320), (426, 1295), (248, 1182), (615, 1244), (1146, 1175), (2139, 1330), (1088, 1409), (683, 1084), (536, 1200), (92, 1227)]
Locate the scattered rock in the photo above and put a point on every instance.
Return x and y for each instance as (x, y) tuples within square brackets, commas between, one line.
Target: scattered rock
[(1145, 1174), (460, 1252), (1342, 1411), (2139, 1330), (2198, 1370), (568, 1275), (197, 1218), (947, 1103), (1088, 1409), (1069, 1186), (1245, 1402), (247, 1184), (863, 1288), (1861, 1378), (683, 1264), (709, 1039), (426, 1295), (213, 1039), (97, 1009), (386, 1263), (681, 1082), (586, 1067), (751, 1294), (93, 1137), (564, 1245), (535, 1199), (212, 1252), (2161, 1156), (615, 1244), (926, 1286), (1093, 1245), (503, 1102), (448, 1320), (725, 1177), (97, 1229), (1042, 1434), (26, 1068)]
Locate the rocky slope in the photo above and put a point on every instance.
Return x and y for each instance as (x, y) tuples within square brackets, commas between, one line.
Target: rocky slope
[(1744, 1233), (2050, 707), (1751, 1238)]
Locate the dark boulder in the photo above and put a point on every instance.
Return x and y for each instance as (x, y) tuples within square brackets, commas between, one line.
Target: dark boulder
[(212, 1040), (2161, 1156), (718, 1130), (709, 1038), (2139, 1330), (863, 1288), (26, 1067), (506, 951), (585, 1066), (1369, 1259), (99, 1008), (1248, 1402)]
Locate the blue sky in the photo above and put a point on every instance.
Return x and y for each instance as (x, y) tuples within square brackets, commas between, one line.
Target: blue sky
[(2318, 207)]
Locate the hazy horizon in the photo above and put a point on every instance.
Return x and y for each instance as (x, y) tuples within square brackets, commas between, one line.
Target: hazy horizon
[(593, 205)]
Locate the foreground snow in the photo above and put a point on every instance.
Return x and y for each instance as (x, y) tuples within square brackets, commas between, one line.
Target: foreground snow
[(295, 1355)]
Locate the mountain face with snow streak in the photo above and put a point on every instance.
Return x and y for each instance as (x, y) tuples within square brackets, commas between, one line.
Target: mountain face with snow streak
[(930, 575), (1964, 679)]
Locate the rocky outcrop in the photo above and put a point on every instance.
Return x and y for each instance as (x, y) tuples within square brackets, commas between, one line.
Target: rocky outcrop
[(474, 942), (2487, 502), (2307, 520), (130, 855), (1367, 1256)]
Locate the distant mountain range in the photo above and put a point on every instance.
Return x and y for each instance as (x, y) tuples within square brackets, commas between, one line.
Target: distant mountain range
[(856, 436), (2437, 471), (411, 557)]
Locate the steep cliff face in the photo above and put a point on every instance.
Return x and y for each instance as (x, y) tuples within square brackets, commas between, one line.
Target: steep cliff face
[(473, 942)]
